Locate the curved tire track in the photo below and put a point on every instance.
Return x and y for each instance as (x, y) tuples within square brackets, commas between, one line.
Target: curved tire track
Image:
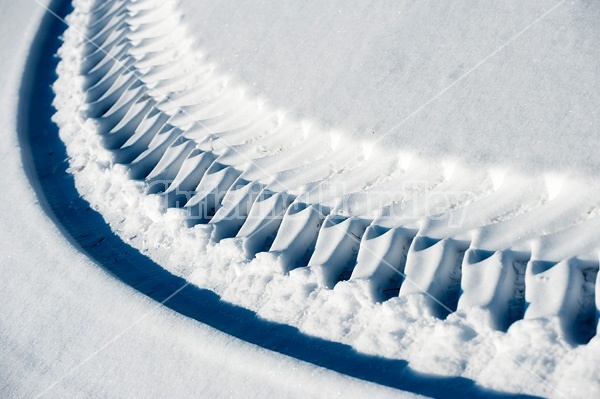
[(191, 144), (45, 162)]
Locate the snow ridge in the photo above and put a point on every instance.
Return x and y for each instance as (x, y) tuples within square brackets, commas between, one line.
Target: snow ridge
[(389, 253)]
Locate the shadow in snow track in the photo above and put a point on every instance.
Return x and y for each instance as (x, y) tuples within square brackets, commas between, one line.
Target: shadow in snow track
[(45, 159)]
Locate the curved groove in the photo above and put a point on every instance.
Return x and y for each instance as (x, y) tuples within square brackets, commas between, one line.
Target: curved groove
[(44, 159), (285, 152)]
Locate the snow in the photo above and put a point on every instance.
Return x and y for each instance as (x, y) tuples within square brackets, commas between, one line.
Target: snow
[(70, 329), (204, 154), (365, 68), (504, 339)]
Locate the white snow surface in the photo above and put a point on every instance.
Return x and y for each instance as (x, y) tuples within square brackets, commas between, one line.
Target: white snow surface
[(69, 329), (496, 131), (518, 91)]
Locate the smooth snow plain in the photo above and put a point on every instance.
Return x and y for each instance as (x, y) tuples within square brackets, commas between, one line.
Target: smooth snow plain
[(182, 102), (70, 329)]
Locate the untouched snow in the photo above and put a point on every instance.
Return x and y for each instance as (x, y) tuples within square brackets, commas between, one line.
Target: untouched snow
[(517, 272), (68, 329)]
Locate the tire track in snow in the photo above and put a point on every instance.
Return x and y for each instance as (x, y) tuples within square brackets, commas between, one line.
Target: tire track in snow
[(45, 162), (131, 97), (251, 178)]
